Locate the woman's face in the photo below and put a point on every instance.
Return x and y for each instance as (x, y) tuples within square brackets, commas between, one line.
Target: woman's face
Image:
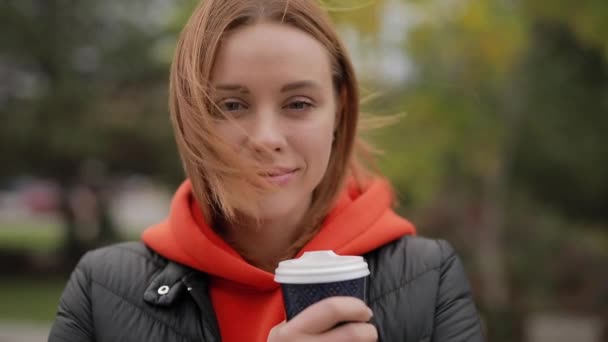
[(275, 81)]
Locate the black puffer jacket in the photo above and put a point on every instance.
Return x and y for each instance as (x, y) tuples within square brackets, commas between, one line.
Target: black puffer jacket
[(417, 290)]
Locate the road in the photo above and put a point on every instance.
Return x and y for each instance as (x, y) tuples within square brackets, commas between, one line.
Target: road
[(23, 332)]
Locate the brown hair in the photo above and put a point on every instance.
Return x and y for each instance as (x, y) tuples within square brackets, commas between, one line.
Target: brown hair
[(224, 184)]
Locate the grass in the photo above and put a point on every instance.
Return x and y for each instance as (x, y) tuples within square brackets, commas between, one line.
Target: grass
[(30, 299), (38, 237), (30, 235)]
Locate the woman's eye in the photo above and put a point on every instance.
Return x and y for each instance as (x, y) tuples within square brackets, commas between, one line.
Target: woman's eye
[(299, 105), (232, 106)]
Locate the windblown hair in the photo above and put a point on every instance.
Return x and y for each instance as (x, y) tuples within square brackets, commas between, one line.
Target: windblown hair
[(225, 185)]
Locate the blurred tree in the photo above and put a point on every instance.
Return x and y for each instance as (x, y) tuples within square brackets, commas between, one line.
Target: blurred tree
[(85, 80), (494, 110), (585, 19), (462, 115), (364, 15), (561, 156)]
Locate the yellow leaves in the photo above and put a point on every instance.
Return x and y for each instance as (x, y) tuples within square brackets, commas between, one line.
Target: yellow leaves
[(495, 30), (364, 15), (481, 36), (476, 17), (346, 6)]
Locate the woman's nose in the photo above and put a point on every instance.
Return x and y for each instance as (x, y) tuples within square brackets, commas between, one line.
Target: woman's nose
[(266, 133)]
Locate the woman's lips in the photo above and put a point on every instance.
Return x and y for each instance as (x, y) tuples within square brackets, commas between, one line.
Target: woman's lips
[(280, 177)]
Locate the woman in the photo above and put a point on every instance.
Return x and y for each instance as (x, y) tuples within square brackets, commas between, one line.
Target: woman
[(264, 105)]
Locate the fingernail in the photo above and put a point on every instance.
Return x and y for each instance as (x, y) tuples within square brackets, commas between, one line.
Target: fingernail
[(371, 313)]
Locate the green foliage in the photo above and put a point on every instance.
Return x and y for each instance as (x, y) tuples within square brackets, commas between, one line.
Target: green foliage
[(33, 236), (507, 111), (364, 15), (586, 18), (30, 299), (566, 120), (85, 83)]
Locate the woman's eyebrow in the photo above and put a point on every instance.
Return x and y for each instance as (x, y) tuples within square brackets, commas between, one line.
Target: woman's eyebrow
[(287, 87), (299, 85), (232, 87)]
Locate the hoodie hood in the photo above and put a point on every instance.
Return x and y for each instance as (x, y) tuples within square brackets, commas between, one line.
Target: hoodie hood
[(361, 221)]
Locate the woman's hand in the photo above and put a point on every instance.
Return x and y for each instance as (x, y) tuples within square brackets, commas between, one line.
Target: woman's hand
[(317, 323)]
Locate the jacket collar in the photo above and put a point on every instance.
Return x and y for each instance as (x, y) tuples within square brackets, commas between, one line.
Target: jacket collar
[(167, 285), (172, 281)]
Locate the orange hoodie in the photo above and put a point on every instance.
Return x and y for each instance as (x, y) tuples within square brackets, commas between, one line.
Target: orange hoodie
[(246, 300)]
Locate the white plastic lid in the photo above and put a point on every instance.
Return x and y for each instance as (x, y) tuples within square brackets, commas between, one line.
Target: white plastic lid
[(320, 267)]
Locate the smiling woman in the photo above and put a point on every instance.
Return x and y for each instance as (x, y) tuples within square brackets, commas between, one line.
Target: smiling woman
[(264, 106), (284, 114)]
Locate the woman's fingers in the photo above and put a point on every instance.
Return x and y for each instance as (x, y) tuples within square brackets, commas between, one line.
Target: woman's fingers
[(360, 332), (327, 313), (349, 332)]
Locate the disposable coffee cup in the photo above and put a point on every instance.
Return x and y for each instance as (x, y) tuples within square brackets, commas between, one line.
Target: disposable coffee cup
[(319, 275)]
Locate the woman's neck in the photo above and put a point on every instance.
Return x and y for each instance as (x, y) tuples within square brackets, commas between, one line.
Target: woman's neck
[(265, 243)]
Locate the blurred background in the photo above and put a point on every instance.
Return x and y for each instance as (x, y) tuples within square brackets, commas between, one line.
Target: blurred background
[(502, 145)]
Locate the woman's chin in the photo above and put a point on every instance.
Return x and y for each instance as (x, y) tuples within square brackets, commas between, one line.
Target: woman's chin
[(278, 207)]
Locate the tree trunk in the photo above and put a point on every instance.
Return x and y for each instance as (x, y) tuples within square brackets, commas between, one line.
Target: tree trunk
[(502, 317), (71, 248)]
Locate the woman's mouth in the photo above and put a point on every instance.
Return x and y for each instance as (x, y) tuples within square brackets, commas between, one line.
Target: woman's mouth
[(280, 176)]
